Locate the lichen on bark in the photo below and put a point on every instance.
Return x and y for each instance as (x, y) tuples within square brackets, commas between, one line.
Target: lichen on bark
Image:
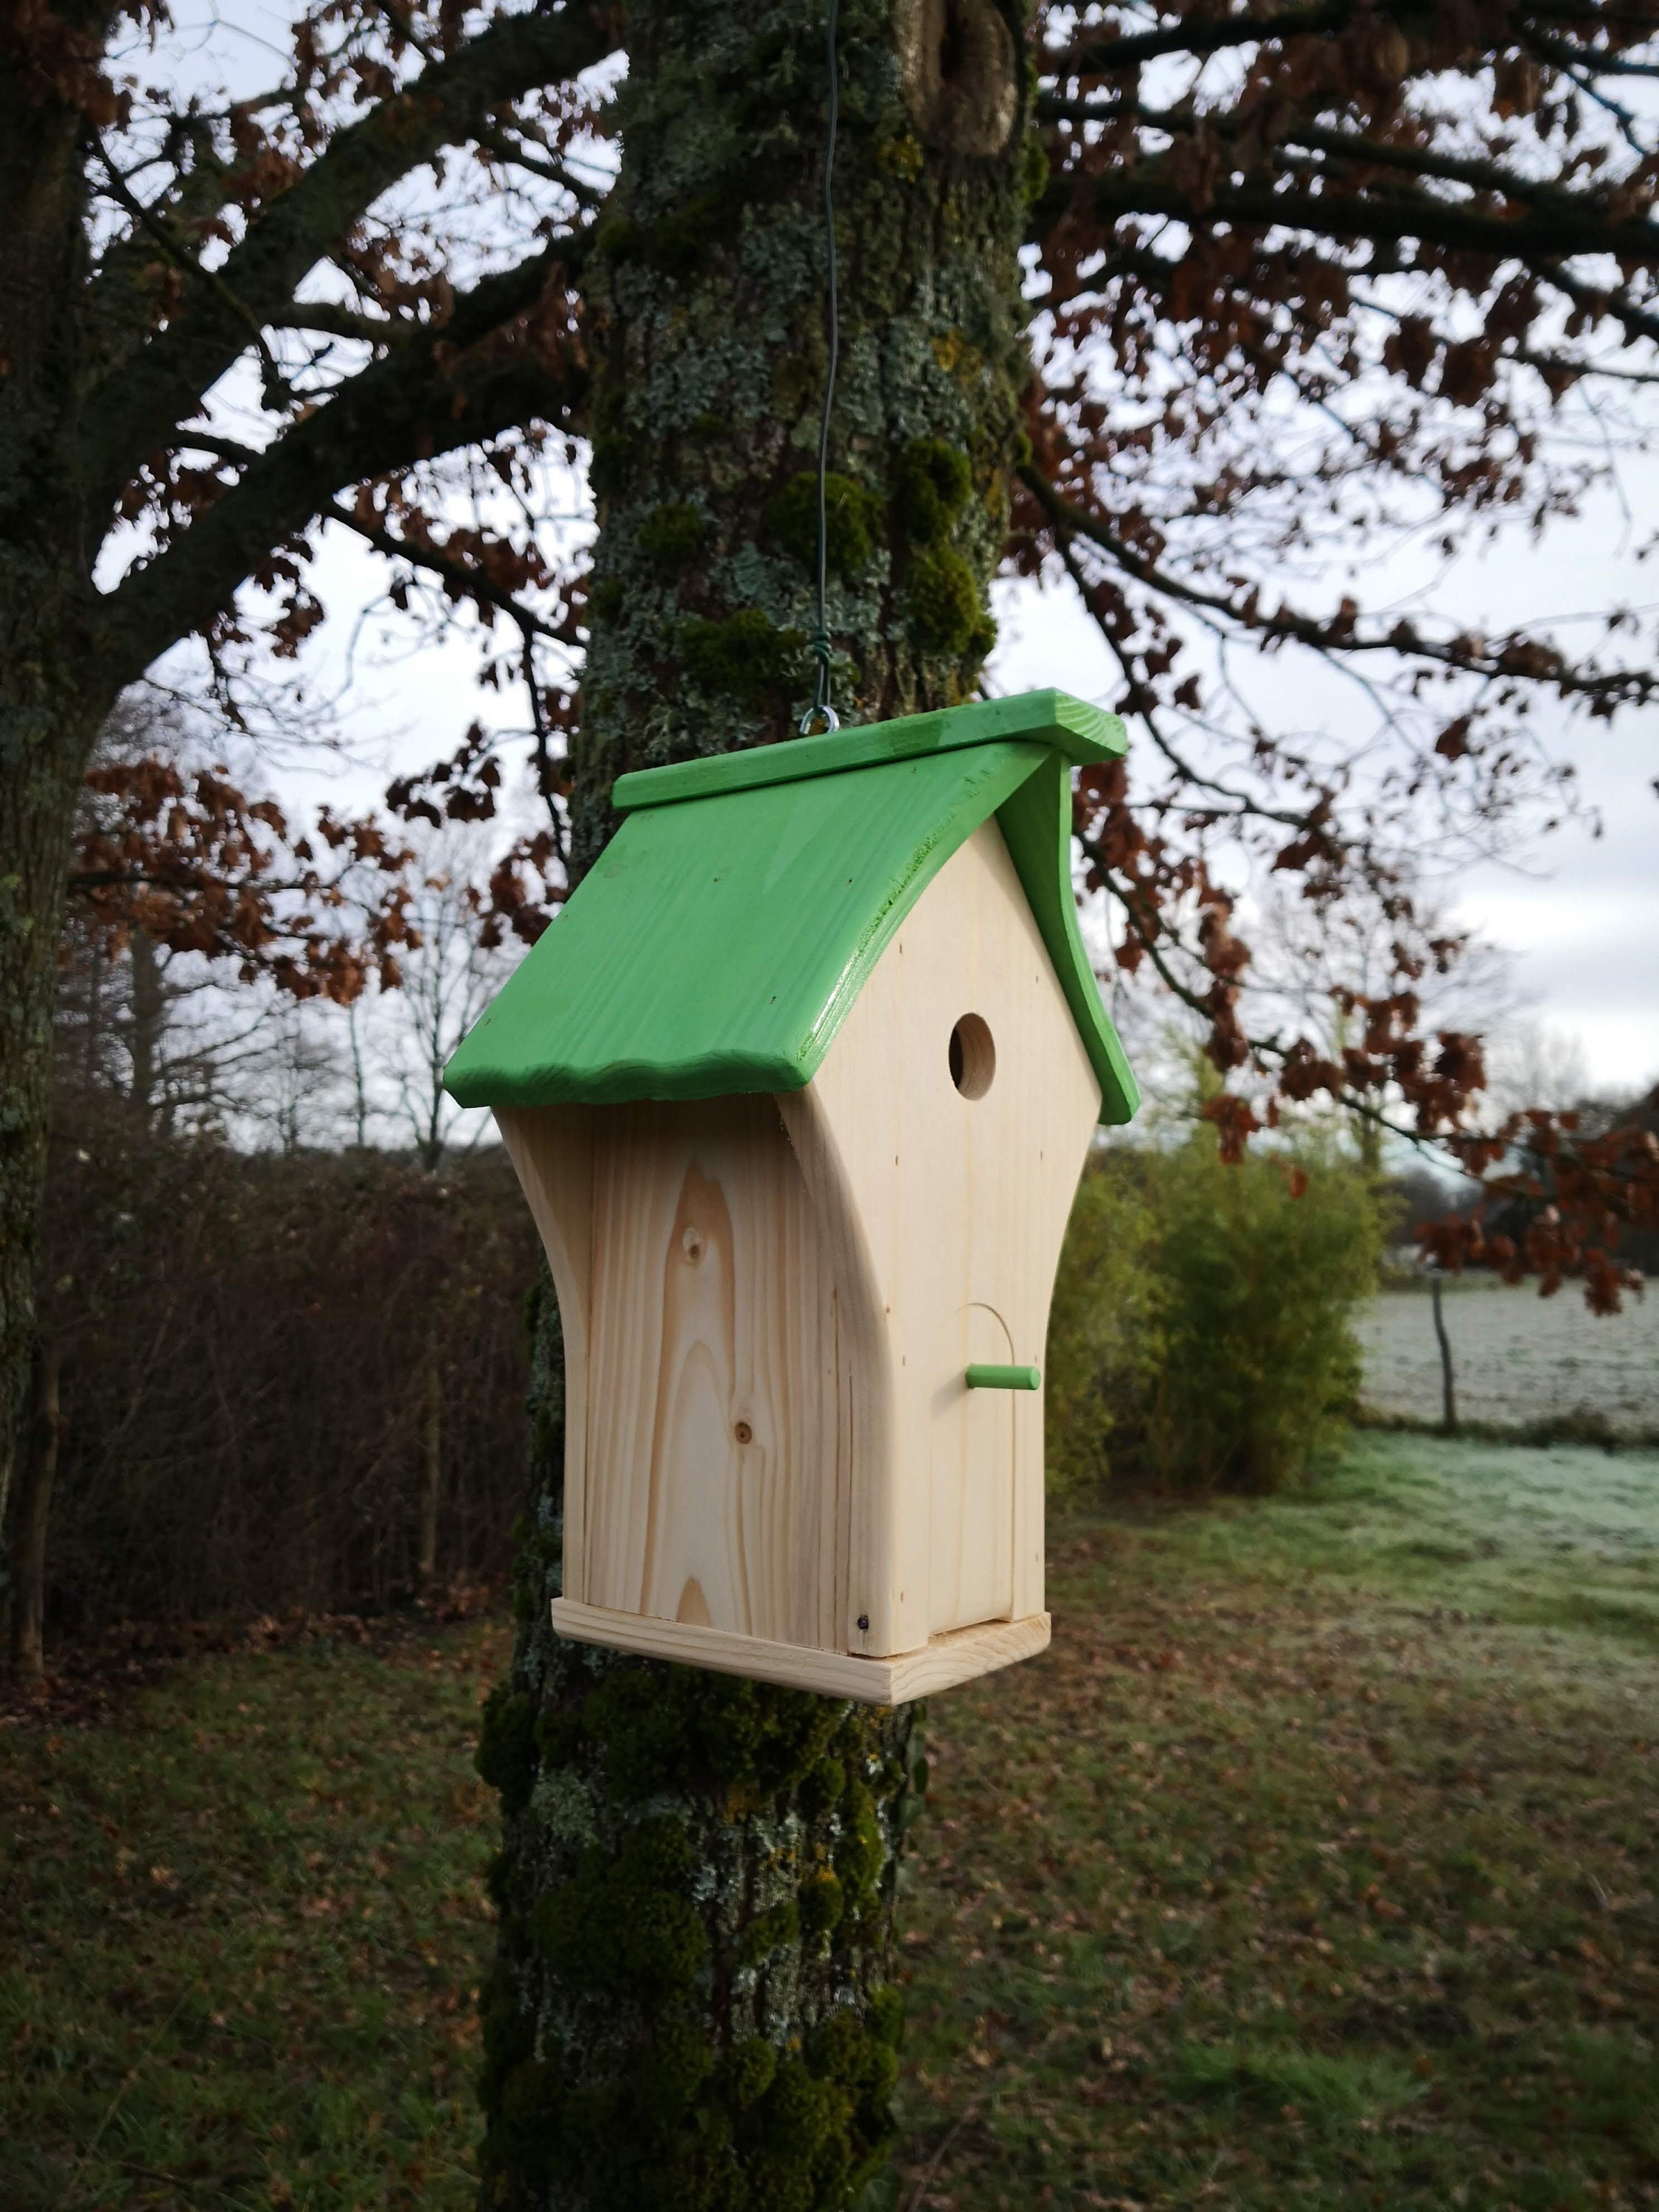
[(694, 2007)]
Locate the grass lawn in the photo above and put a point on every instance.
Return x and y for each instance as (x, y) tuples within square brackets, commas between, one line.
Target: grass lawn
[(1316, 1862), (1314, 1865), (239, 1936)]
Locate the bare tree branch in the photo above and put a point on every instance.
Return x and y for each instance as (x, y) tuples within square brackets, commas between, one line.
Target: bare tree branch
[(484, 371), (1540, 238), (134, 408)]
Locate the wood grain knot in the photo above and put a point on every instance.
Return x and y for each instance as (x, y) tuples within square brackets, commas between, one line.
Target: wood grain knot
[(744, 1433), (692, 1244)]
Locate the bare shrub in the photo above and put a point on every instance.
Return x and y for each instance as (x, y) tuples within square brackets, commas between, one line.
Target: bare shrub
[(249, 1344)]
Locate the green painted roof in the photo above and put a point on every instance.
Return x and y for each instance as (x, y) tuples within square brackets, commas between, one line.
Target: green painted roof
[(719, 941)]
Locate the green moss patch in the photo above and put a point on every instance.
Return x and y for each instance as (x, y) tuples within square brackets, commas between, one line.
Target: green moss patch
[(852, 517), (745, 657), (670, 537), (946, 612), (931, 483)]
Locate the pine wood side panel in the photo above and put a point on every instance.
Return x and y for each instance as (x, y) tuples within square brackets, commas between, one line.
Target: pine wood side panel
[(854, 1514), (865, 1437), (718, 1377), (964, 1203), (551, 1149), (1051, 1106)]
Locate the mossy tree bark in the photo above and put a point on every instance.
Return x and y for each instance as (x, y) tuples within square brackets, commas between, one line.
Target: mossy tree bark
[(709, 301), (694, 2003), (43, 748), (53, 690)]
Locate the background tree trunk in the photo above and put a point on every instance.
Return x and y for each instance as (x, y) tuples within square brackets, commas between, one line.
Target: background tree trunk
[(148, 1024), (30, 1514), (693, 2004), (52, 694), (42, 759), (432, 1456), (1448, 1380)]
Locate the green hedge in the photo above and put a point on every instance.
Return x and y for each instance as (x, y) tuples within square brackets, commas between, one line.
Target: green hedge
[(1201, 1335)]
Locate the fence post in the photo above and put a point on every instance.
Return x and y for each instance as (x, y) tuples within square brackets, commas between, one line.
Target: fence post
[(1448, 1386)]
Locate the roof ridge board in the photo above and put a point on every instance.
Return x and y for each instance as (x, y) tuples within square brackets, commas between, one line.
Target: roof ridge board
[(1072, 726)]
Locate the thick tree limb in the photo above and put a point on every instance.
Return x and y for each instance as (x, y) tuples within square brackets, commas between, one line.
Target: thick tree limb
[(1209, 35), (1214, 36), (1480, 176), (1538, 238), (335, 321), (1564, 55)]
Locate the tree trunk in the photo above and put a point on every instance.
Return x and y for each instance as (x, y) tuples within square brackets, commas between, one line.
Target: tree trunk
[(359, 1080), (432, 1446), (31, 1513), (1448, 1385), (694, 2003), (148, 1024), (1369, 1134), (52, 694), (43, 756)]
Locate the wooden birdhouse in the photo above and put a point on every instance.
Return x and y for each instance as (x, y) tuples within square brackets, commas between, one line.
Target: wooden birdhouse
[(798, 1086)]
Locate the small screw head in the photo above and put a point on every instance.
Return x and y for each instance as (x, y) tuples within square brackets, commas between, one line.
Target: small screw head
[(864, 1620)]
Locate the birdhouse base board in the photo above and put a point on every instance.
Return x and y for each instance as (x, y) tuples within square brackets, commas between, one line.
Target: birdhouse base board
[(939, 1664)]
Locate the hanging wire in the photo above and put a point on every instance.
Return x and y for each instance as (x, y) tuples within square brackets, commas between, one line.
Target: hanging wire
[(821, 712)]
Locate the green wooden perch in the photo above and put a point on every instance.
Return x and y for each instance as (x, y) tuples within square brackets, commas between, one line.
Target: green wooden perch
[(985, 1376)]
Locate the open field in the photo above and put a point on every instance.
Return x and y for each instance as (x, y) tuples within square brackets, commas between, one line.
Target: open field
[(1314, 1865), (1519, 1359)]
